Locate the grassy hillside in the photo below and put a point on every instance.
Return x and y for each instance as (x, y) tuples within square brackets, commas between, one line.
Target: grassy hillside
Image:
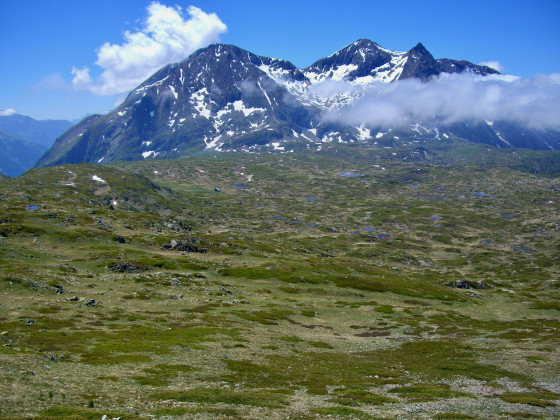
[(350, 283)]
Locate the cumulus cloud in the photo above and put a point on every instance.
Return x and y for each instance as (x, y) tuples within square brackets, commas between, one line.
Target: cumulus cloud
[(533, 101), (7, 112), (167, 36), (493, 64)]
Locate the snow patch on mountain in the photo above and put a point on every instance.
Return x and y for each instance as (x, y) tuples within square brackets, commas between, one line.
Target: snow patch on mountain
[(240, 106)]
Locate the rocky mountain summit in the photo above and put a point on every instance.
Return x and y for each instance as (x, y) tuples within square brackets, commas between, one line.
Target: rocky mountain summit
[(225, 98)]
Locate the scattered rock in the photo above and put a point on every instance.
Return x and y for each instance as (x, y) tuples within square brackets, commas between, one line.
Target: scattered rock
[(58, 289), (90, 302), (466, 284), (67, 267), (185, 246), (102, 225), (74, 299), (217, 189), (26, 372), (128, 267), (119, 239), (458, 284), (176, 225)]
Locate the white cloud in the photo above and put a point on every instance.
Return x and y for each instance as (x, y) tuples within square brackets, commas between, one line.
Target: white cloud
[(51, 82), (330, 88), (82, 80), (166, 37), (534, 101), (7, 112), (493, 64)]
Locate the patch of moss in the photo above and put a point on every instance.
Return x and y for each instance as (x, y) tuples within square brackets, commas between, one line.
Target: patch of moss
[(319, 344), (74, 413), (534, 398), (218, 395), (355, 396), (426, 392), (453, 416), (229, 413), (108, 378), (386, 309), (104, 359), (269, 317), (344, 412), (543, 304), (308, 312)]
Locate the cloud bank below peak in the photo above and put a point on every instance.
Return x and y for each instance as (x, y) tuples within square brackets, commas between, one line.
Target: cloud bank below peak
[(7, 112), (448, 99), (167, 36)]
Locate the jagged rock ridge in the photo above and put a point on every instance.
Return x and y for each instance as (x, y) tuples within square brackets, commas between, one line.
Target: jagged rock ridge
[(225, 98)]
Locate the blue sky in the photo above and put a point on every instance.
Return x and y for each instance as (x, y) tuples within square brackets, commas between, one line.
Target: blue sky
[(50, 48)]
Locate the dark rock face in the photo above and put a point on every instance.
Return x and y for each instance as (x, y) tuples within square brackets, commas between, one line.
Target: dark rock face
[(420, 64), (225, 98), (365, 54), (459, 66)]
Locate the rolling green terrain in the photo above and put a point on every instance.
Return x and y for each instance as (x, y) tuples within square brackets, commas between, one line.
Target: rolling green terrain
[(347, 283)]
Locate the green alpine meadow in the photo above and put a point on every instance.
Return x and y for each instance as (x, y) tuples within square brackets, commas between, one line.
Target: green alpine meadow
[(350, 282)]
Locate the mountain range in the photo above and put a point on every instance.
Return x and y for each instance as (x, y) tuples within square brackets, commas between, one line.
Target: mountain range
[(23, 140), (224, 98)]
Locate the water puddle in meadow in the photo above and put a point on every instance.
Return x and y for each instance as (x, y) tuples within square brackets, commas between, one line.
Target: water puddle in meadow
[(350, 175)]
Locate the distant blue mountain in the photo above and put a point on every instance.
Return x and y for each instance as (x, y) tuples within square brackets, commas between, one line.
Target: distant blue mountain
[(42, 132), (23, 140), (17, 155)]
